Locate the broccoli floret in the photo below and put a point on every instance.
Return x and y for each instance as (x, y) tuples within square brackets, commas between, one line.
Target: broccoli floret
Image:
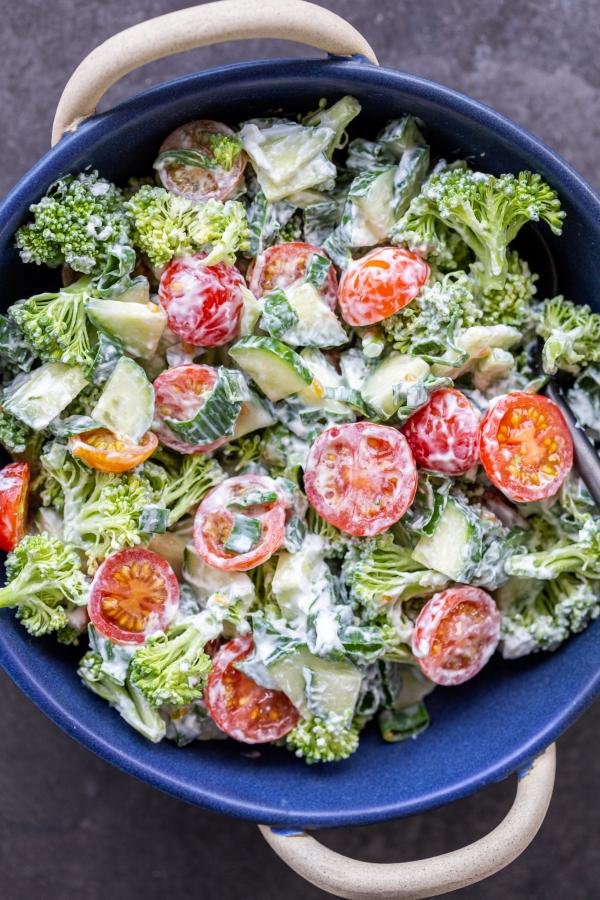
[(243, 452), (427, 325), (571, 333), (44, 582), (488, 211), (78, 222), (101, 511), (167, 225), (538, 615), (379, 572), (323, 740), (580, 553), (17, 356), (425, 234), (125, 698), (335, 544), (15, 436), (172, 667), (510, 304), (225, 149), (188, 484), (55, 324)]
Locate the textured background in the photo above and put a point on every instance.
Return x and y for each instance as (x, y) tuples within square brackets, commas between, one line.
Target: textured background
[(69, 824)]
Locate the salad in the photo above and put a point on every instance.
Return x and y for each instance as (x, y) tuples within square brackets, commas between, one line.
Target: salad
[(281, 460)]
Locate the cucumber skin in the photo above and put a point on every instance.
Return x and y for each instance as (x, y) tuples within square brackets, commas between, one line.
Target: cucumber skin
[(285, 363), (430, 552)]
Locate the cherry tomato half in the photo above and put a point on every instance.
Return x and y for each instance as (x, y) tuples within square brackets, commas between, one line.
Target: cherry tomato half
[(197, 182), (203, 303), (443, 434), (107, 452), (216, 515), (14, 493), (178, 394), (282, 265), (240, 707), (455, 634), (525, 446), (379, 284), (133, 595), (360, 477)]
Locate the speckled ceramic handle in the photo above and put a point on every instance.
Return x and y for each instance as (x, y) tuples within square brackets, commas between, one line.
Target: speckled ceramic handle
[(431, 877), (199, 26)]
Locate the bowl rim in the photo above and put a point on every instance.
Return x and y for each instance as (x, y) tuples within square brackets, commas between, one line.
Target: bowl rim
[(11, 210)]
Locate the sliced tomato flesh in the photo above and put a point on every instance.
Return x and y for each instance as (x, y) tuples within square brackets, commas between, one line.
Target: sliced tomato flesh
[(134, 594), (217, 513), (240, 707), (360, 477), (377, 285), (455, 634), (284, 264), (107, 452), (525, 446), (197, 182), (14, 494)]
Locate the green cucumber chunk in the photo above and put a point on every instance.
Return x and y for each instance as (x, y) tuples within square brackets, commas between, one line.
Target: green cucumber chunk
[(455, 546), (397, 370), (126, 405), (253, 415), (316, 685), (244, 535), (44, 393), (138, 326), (277, 369)]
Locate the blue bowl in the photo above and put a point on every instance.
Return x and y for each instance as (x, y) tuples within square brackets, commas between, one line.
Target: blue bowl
[(481, 731)]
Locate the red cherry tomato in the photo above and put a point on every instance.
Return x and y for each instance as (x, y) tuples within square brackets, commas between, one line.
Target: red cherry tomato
[(241, 708), (133, 595), (107, 452), (455, 634), (443, 434), (282, 265), (197, 182), (203, 303), (216, 515), (14, 493), (525, 446), (379, 284), (178, 394), (360, 477)]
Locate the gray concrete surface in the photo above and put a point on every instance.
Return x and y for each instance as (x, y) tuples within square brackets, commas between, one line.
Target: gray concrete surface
[(70, 825)]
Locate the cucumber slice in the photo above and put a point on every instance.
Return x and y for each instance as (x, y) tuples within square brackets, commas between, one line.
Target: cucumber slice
[(316, 685), (253, 415), (277, 369), (126, 405), (398, 369), (326, 377), (138, 326), (316, 324), (139, 292), (455, 547), (44, 393)]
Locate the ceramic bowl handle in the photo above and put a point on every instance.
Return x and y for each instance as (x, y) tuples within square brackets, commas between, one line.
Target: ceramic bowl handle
[(199, 26), (357, 880)]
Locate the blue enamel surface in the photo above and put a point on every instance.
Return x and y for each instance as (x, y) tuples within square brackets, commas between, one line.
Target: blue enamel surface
[(481, 731)]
